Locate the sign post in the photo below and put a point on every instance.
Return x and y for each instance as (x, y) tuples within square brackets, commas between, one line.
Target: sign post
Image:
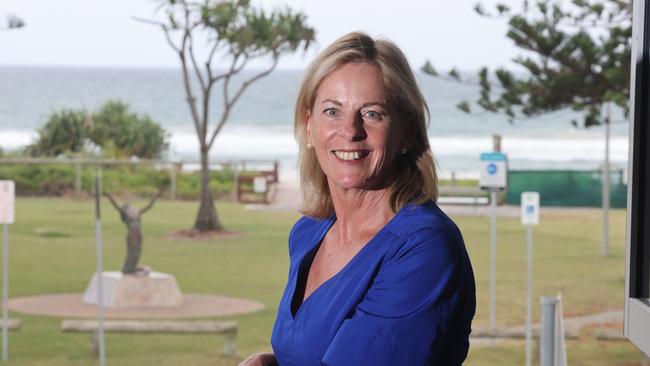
[(7, 216), (529, 218), (100, 260), (493, 178)]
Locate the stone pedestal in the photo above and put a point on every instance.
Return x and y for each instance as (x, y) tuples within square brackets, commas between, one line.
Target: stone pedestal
[(129, 291)]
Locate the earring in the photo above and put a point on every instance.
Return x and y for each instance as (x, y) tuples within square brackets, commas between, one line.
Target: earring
[(403, 151), (309, 145)]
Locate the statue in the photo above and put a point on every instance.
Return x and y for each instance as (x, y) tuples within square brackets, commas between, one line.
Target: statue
[(131, 217)]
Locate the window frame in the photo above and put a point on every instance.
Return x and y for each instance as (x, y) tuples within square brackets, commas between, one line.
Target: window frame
[(637, 276)]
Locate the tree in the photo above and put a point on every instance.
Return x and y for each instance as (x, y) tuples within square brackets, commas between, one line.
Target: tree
[(127, 133), (576, 55), (240, 33), (11, 22), (64, 132), (113, 128)]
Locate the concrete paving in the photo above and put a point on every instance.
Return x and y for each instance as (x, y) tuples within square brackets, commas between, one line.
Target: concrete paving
[(287, 197)]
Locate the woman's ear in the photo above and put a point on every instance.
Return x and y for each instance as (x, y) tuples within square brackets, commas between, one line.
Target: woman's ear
[(308, 122)]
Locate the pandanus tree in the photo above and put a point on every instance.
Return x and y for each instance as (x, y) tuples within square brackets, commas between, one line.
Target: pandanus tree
[(214, 41)]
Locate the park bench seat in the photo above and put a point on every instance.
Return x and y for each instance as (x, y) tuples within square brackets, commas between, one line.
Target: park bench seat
[(227, 328), (462, 196)]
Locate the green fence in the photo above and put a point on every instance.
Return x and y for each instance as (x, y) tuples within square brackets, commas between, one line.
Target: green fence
[(568, 188)]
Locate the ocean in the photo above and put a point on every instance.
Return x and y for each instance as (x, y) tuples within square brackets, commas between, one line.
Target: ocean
[(260, 126)]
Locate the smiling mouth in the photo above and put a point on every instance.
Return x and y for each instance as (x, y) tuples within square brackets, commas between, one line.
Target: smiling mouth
[(350, 155)]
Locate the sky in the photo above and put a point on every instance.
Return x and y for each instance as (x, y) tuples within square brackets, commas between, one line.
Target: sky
[(102, 33)]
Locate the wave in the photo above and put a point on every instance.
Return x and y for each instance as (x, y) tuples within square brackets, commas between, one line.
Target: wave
[(452, 152)]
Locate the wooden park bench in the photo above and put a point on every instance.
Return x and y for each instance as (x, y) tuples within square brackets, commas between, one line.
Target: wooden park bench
[(257, 186), (227, 328)]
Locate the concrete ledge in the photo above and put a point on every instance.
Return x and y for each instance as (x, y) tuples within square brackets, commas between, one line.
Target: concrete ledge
[(227, 328), (151, 326), (512, 333), (156, 289), (12, 324), (610, 335)]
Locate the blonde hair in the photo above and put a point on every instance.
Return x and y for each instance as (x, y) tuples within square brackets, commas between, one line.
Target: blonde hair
[(416, 178)]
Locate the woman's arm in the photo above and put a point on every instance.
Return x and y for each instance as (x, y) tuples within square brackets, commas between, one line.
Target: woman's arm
[(260, 359)]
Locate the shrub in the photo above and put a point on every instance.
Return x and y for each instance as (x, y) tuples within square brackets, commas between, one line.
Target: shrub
[(113, 130)]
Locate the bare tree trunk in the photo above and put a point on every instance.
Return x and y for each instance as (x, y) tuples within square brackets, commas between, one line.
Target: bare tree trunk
[(207, 218)]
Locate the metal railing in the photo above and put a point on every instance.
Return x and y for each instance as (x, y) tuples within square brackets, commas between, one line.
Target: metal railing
[(174, 166)]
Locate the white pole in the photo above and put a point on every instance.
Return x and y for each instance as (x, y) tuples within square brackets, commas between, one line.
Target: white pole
[(5, 293), (547, 332), (605, 182), (100, 290), (493, 277), (529, 300)]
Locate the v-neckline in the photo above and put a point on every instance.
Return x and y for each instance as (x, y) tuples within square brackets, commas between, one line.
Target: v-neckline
[(312, 253), (327, 225)]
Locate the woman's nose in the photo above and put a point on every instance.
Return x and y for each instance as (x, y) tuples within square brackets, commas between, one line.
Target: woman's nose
[(352, 127)]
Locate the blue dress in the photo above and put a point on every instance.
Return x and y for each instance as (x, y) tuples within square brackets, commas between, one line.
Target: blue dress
[(406, 298)]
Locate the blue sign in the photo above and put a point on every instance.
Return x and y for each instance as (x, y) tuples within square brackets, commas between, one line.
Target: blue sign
[(494, 171), (493, 156)]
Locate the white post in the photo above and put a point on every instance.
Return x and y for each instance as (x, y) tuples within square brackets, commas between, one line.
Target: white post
[(547, 332), (493, 267), (529, 299), (100, 290), (5, 294), (560, 341), (530, 203), (605, 183), (172, 182), (7, 216)]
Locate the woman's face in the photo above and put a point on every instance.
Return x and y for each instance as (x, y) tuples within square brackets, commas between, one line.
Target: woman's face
[(355, 134)]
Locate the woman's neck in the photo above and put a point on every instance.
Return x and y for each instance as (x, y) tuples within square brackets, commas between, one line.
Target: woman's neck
[(360, 213)]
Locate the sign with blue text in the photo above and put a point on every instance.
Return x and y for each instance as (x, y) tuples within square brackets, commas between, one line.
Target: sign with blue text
[(494, 171), (7, 201), (529, 208)]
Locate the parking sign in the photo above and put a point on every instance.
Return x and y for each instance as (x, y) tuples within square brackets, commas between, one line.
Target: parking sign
[(530, 208), (7, 201)]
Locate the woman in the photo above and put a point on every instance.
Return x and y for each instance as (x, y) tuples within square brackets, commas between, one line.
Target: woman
[(378, 274)]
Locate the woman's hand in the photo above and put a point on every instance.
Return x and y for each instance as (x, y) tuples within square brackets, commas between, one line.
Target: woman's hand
[(260, 359)]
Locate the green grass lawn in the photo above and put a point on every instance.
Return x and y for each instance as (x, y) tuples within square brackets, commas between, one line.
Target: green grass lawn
[(53, 251)]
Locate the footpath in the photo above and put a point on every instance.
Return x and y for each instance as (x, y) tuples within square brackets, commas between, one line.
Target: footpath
[(287, 197), (611, 321)]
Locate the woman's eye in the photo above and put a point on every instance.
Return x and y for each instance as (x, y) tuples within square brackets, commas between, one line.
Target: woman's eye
[(371, 115), (331, 112)]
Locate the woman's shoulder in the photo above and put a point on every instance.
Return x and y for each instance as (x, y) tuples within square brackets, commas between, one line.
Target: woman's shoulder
[(425, 230), (304, 231), (413, 220), (307, 225)]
